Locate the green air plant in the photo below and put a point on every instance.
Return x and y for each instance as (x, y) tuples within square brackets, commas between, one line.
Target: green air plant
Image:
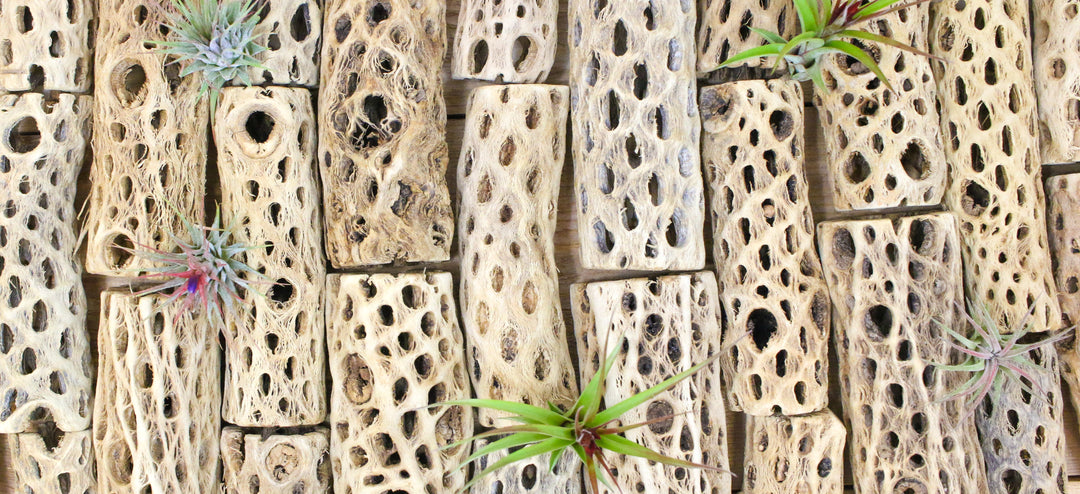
[(586, 429), (824, 26)]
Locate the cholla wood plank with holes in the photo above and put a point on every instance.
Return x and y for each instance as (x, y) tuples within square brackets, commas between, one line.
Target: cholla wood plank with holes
[(278, 463), (45, 45), (382, 136), (658, 319), (156, 412), (988, 123), (45, 371), (803, 454), (1064, 231), (773, 293), (1057, 78), (892, 283), (395, 348), (274, 372), (511, 163), (150, 142), (290, 30), (711, 414), (637, 179), (60, 464), (884, 147), (505, 40), (725, 30), (530, 476)]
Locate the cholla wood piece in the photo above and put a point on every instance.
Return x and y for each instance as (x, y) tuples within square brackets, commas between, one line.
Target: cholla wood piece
[(725, 30), (505, 40), (657, 318), (45, 45), (511, 162), (1057, 78), (988, 124), (156, 412), (395, 348), (773, 293), (278, 463), (530, 476), (637, 179), (803, 454), (711, 414), (892, 282), (382, 138), (883, 147), (45, 371), (274, 373), (1064, 232), (61, 464), (292, 30), (150, 142)]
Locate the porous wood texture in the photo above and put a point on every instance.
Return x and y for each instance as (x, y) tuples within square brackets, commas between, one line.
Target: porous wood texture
[(382, 138), (156, 412), (532, 476), (1057, 78), (1064, 231), (705, 323), (150, 144), (988, 124), (395, 348), (291, 31), (665, 333), (803, 454), (773, 294), (725, 30), (45, 45), (637, 179), (505, 40), (884, 146), (45, 371), (274, 372), (278, 463), (61, 464), (892, 283), (511, 163)]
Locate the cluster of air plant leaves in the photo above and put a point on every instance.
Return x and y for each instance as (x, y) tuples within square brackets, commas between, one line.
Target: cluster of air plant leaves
[(825, 25), (585, 428), (993, 358)]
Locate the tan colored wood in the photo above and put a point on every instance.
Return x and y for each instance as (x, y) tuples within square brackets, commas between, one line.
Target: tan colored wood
[(1057, 78), (276, 464), (45, 372), (382, 136), (505, 40), (636, 167), (528, 476), (893, 283), (274, 372), (802, 454), (705, 323), (156, 412), (395, 348), (725, 25), (1063, 226), (46, 45), (773, 292), (291, 30), (988, 122), (53, 463)]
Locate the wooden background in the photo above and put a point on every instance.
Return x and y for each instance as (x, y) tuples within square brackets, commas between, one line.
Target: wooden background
[(456, 94)]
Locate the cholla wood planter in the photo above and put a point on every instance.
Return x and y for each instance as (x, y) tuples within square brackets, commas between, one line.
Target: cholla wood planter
[(725, 30), (892, 282), (45, 45), (274, 374), (774, 296), (395, 348), (505, 40), (150, 142), (665, 334), (45, 372), (382, 133), (637, 180), (988, 124), (1057, 78), (286, 463), (156, 412), (60, 464), (292, 30), (884, 147), (532, 476), (511, 162), (803, 454)]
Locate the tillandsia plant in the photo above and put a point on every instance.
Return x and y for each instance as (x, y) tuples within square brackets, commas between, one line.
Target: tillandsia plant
[(586, 428), (825, 25)]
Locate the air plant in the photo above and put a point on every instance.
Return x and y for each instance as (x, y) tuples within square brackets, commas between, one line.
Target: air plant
[(824, 26), (585, 428)]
